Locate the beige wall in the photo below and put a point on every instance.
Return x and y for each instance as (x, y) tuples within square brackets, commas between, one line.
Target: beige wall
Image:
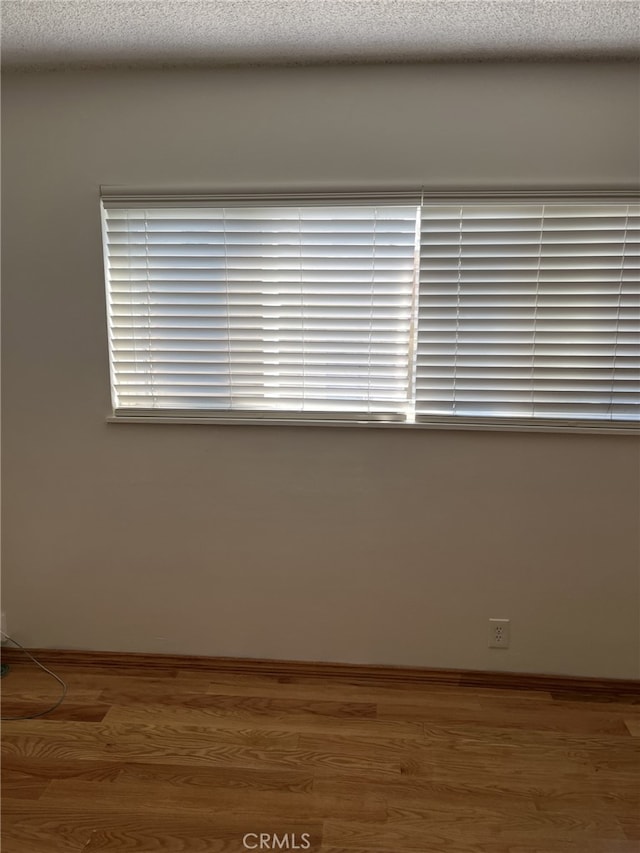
[(383, 546)]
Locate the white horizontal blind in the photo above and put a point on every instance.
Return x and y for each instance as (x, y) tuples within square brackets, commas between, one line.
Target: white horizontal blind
[(249, 309), (529, 310)]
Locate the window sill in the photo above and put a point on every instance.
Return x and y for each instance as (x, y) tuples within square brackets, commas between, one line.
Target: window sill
[(484, 425)]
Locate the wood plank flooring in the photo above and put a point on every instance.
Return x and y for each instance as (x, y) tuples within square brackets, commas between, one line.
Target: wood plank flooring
[(178, 759)]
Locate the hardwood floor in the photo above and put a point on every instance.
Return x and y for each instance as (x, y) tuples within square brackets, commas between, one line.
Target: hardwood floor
[(178, 759)]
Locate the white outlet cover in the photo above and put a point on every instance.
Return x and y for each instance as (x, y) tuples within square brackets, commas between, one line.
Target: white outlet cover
[(499, 633)]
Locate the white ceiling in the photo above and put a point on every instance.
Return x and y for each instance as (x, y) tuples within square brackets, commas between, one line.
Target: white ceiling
[(219, 32)]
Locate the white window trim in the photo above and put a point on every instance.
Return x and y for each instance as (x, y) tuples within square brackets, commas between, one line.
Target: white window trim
[(143, 197), (506, 424)]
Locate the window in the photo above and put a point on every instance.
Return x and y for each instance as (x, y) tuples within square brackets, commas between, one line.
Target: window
[(446, 310)]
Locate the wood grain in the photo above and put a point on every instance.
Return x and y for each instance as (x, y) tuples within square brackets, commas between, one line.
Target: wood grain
[(633, 726), (163, 757)]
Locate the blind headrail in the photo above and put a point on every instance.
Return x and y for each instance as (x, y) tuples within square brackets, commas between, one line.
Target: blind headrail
[(116, 196)]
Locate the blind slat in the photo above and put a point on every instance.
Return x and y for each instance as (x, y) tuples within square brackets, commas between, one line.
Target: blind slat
[(529, 310), (522, 309), (200, 299)]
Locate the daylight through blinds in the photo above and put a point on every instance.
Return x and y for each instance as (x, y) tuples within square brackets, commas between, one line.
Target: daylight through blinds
[(529, 310), (494, 309), (281, 309)]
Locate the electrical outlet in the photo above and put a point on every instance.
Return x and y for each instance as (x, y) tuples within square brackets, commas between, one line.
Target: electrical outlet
[(499, 633)]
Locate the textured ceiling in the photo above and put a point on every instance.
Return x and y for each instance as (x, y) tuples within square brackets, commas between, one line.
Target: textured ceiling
[(221, 32)]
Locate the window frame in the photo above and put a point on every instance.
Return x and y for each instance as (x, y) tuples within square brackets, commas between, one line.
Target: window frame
[(141, 198)]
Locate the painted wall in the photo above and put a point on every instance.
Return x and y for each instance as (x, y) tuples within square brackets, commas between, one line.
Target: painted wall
[(383, 546)]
